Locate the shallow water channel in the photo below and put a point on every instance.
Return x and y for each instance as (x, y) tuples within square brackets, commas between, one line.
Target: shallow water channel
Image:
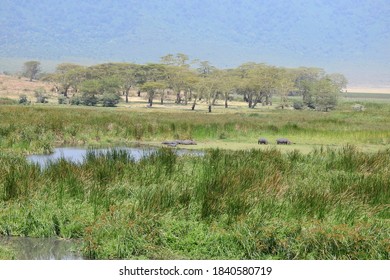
[(78, 155), (28, 248)]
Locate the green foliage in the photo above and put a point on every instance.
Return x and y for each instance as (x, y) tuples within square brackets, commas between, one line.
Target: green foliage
[(76, 100), (255, 204), (109, 99), (31, 69), (298, 105), (41, 95), (63, 100), (6, 253), (23, 99)]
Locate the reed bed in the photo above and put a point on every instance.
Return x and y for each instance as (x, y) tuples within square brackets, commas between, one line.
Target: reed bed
[(253, 204)]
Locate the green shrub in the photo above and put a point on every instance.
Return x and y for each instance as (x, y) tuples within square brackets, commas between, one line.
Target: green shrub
[(298, 105), (109, 100), (75, 100), (62, 100), (23, 99), (41, 95), (89, 100)]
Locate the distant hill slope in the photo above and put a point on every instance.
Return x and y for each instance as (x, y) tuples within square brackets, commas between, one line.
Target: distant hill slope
[(13, 87), (320, 33)]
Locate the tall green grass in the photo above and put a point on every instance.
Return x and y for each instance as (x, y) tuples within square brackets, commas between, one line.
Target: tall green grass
[(255, 204)]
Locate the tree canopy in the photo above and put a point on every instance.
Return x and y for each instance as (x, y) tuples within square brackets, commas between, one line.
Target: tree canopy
[(257, 83)]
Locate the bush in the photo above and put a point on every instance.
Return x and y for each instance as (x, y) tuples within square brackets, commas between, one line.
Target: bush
[(109, 99), (85, 99), (358, 107), (89, 100), (75, 100), (62, 100), (41, 95), (298, 105), (23, 100)]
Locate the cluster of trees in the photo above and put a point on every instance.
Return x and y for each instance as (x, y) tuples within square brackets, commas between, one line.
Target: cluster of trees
[(198, 80)]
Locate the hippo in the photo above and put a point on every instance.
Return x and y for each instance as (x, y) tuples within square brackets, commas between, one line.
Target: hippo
[(185, 142), (174, 143), (283, 141), (170, 143), (263, 141)]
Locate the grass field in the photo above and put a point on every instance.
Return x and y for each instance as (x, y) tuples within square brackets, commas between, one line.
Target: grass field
[(325, 197), (36, 128)]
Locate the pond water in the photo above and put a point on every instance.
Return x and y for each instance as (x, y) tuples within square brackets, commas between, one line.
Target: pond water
[(28, 248), (77, 155)]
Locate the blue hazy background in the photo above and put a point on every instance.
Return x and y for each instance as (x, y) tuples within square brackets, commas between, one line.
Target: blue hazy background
[(351, 37)]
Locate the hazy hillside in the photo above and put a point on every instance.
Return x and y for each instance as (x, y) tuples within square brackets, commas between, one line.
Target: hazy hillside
[(333, 34)]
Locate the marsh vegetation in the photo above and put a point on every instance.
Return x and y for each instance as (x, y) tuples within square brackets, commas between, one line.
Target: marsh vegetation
[(325, 197), (328, 204)]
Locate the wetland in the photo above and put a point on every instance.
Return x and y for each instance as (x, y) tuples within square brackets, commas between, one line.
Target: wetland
[(325, 197)]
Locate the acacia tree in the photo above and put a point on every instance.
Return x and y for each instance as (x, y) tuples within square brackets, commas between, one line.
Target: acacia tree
[(125, 73), (152, 88), (339, 80), (204, 68), (105, 90), (325, 94), (191, 80), (226, 84), (210, 90), (177, 71), (304, 80), (246, 83), (31, 69), (284, 85), (68, 75)]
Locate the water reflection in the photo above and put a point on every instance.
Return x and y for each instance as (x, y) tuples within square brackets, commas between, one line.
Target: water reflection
[(78, 155), (28, 248)]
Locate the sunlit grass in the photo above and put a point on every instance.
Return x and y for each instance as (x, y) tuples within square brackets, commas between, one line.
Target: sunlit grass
[(40, 128)]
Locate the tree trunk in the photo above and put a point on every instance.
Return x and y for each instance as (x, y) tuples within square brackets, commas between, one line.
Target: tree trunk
[(209, 108), (214, 99), (162, 95), (66, 91), (226, 101), (185, 98), (190, 98), (193, 105), (254, 104), (127, 96), (178, 98)]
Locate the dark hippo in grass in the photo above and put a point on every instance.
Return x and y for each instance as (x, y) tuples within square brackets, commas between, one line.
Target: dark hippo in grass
[(262, 141), (283, 141)]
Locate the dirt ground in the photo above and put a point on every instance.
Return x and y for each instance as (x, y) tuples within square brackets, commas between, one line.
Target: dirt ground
[(384, 90), (13, 86)]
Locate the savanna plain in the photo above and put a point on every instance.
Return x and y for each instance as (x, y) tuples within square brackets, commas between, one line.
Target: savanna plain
[(326, 196)]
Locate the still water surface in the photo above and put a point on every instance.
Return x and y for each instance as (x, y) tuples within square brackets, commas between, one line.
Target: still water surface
[(28, 248), (78, 155)]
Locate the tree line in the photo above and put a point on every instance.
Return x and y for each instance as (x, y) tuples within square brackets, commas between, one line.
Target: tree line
[(256, 83)]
